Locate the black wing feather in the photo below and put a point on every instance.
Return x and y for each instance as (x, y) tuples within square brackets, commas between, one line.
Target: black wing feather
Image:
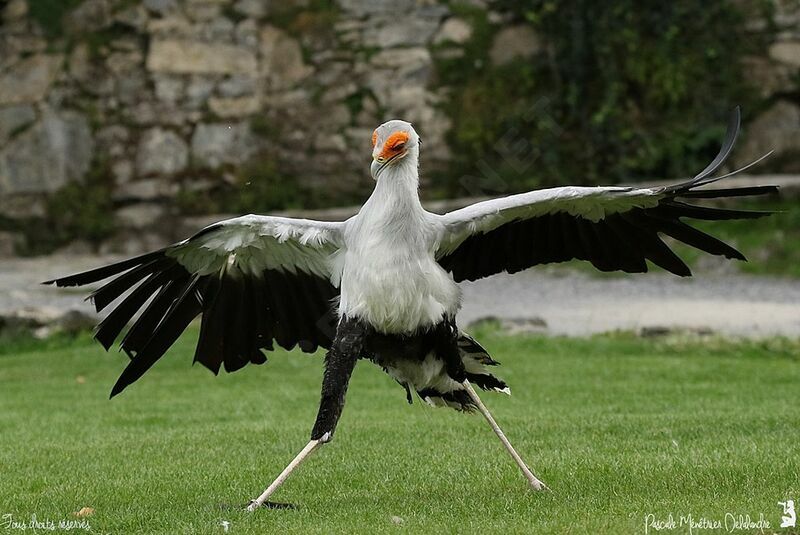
[(729, 192), (142, 330), (693, 237), (676, 209), (183, 309), (110, 328), (105, 295), (622, 241), (102, 273), (241, 313), (212, 325)]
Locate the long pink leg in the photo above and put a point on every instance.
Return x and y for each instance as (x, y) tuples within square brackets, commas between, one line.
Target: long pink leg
[(532, 479)]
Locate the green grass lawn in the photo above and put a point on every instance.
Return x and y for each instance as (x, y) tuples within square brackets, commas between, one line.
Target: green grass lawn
[(618, 427)]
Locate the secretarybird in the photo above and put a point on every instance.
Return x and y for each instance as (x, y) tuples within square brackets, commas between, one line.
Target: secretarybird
[(390, 275)]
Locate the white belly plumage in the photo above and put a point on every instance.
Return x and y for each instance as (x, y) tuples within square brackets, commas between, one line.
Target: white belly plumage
[(396, 291), (389, 276)]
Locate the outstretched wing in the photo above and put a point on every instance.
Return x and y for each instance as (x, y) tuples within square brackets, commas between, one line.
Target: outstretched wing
[(254, 279), (614, 228)]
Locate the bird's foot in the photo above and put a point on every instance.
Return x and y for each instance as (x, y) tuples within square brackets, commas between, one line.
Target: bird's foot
[(261, 500), (252, 506), (538, 485)]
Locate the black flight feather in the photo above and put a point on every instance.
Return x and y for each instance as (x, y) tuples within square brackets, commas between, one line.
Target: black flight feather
[(98, 274), (110, 291), (109, 329), (728, 192), (619, 241), (182, 311)]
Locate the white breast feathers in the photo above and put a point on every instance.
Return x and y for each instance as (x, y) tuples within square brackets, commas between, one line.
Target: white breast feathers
[(390, 278)]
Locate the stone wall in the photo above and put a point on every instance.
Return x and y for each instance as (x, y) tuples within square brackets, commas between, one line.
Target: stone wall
[(165, 100), (777, 76)]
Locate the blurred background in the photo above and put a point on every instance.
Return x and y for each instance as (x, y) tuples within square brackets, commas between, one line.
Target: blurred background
[(129, 124), (119, 117), (126, 125)]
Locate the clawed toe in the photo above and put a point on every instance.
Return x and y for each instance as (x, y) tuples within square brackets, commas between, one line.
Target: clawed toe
[(252, 506)]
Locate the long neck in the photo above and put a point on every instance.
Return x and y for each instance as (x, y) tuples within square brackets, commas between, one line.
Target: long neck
[(397, 190)]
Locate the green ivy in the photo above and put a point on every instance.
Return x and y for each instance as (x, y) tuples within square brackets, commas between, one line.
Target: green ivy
[(79, 210), (306, 18), (259, 187), (621, 90), (50, 13), (262, 188)]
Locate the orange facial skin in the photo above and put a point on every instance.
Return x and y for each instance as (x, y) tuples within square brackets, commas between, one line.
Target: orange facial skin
[(374, 137), (394, 144)]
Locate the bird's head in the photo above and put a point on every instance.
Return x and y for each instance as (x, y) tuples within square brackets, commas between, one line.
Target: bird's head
[(394, 142)]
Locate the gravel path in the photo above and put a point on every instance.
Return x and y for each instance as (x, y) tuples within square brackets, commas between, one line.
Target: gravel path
[(577, 304), (569, 303)]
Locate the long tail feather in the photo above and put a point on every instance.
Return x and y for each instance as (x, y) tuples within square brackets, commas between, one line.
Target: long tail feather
[(732, 132)]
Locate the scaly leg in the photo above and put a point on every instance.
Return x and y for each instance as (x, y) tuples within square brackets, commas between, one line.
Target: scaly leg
[(339, 364), (532, 479), (308, 450)]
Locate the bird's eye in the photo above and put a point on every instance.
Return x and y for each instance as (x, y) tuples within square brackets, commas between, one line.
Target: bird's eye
[(395, 143)]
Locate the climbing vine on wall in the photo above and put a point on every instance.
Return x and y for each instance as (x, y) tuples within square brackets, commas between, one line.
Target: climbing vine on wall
[(619, 91)]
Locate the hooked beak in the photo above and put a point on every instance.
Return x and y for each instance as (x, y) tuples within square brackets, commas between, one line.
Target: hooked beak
[(378, 163), (375, 168)]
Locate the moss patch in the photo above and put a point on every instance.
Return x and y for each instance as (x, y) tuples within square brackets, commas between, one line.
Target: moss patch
[(49, 14), (257, 186), (78, 210)]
